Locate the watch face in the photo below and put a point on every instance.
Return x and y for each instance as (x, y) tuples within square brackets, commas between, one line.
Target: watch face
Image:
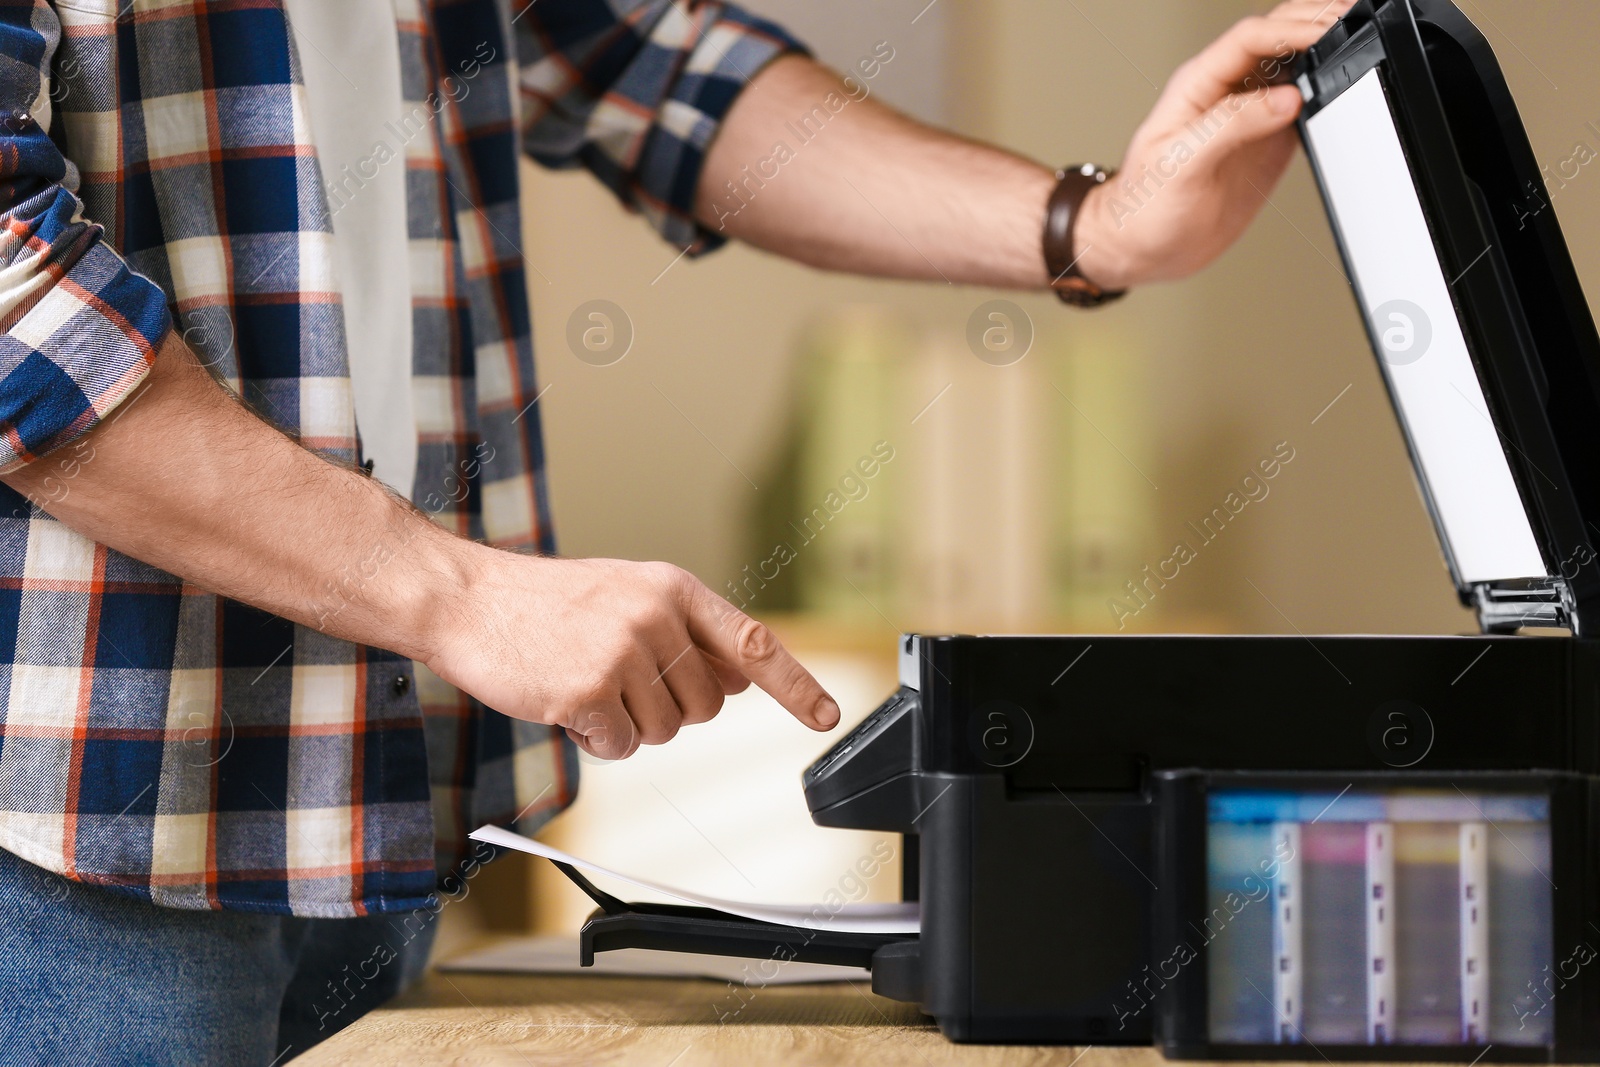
[(1080, 292)]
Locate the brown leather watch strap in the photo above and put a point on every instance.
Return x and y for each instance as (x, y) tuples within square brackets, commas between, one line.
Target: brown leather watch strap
[(1072, 187)]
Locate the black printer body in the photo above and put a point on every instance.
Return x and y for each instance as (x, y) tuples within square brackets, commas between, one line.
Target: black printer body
[(1292, 847), (1096, 863)]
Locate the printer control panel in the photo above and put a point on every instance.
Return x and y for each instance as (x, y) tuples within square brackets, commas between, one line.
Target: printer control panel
[(846, 785)]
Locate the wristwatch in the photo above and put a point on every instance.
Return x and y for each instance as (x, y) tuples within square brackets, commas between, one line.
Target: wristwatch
[(1072, 187)]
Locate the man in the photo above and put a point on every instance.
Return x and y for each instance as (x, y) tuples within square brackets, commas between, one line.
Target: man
[(253, 645)]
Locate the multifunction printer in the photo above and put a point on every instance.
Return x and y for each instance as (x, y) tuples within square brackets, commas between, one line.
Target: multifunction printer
[(1292, 847)]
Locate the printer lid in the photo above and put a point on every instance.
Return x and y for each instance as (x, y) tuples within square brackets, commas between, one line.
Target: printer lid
[(1474, 311)]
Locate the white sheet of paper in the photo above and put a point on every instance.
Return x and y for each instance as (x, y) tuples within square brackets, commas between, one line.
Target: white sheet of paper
[(898, 918), (555, 954)]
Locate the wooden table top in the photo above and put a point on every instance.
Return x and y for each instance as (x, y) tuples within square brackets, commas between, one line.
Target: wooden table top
[(662, 1022)]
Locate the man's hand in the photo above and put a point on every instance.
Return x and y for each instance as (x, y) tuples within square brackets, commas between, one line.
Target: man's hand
[(620, 654), (617, 653), (1202, 164)]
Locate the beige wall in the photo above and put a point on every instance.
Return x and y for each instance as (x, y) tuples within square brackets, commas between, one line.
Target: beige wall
[(649, 458)]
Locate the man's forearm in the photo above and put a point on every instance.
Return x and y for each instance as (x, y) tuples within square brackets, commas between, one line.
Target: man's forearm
[(185, 478), (812, 167)]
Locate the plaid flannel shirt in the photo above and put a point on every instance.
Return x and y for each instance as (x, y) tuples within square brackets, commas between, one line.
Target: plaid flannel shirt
[(158, 183)]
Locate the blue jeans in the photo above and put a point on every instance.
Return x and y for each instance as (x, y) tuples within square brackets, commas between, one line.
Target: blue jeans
[(90, 976)]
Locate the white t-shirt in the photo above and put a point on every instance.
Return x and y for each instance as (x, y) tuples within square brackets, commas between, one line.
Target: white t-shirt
[(350, 59)]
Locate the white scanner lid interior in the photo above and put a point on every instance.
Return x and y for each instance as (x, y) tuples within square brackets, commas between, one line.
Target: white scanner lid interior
[(1403, 291)]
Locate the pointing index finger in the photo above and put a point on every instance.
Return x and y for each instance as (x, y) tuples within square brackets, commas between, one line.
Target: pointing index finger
[(753, 650)]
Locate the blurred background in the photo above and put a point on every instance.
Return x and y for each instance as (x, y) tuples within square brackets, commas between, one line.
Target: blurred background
[(1022, 493)]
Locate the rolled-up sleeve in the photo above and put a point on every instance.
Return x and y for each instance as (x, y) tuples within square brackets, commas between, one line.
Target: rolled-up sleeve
[(78, 329), (635, 91)]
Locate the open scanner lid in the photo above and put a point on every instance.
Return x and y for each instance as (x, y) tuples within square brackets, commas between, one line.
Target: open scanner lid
[(1471, 302)]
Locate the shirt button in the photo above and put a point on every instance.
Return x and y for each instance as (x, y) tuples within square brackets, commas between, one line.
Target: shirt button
[(402, 685)]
